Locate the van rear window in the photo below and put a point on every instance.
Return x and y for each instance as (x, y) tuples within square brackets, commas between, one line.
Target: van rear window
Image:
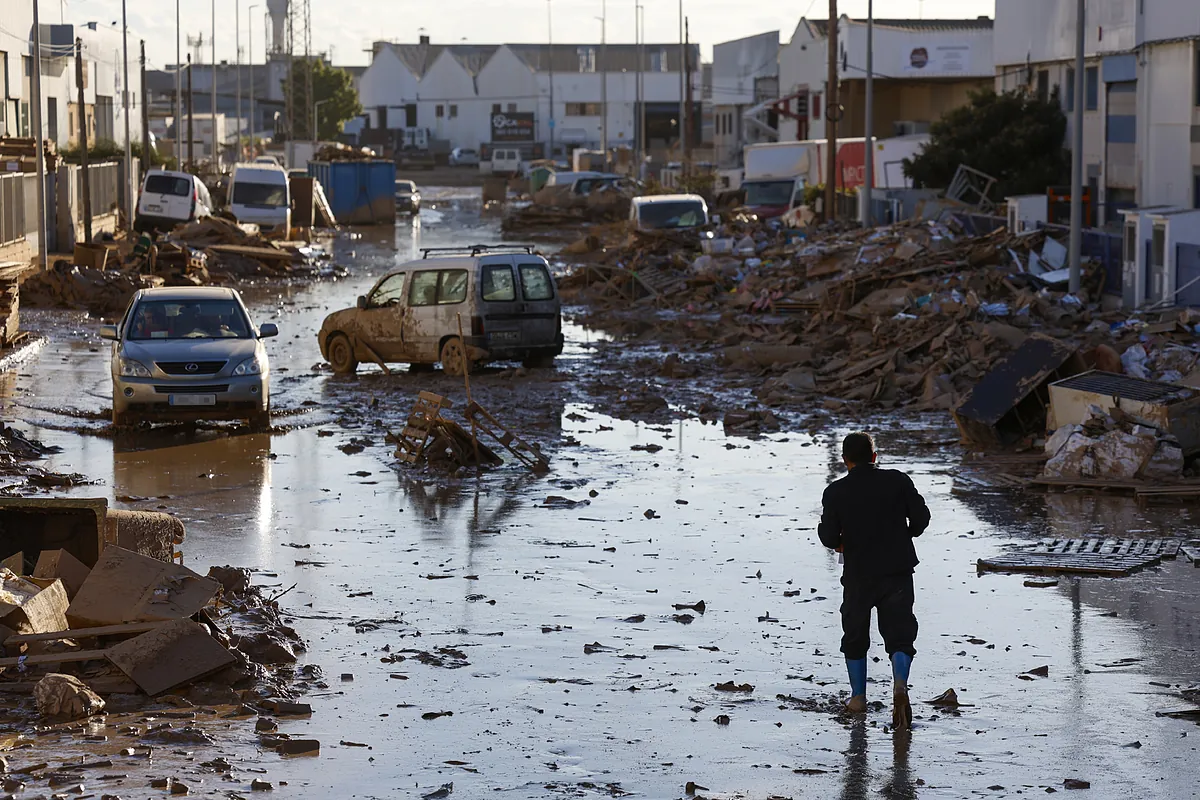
[(535, 282), (168, 184), (498, 285)]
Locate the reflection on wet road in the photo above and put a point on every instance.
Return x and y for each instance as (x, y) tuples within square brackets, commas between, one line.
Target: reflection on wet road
[(580, 678)]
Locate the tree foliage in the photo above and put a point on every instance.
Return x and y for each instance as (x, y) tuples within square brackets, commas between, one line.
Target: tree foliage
[(332, 85), (1014, 137)]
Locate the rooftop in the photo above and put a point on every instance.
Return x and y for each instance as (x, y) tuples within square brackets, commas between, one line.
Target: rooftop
[(821, 26)]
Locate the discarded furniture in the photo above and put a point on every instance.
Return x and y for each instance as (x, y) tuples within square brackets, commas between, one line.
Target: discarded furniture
[(1011, 400), (1169, 407), (411, 441), (527, 454)]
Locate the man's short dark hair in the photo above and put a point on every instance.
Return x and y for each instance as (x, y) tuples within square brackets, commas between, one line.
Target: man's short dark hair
[(857, 448)]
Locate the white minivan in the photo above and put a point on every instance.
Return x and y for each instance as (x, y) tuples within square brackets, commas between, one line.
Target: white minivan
[(506, 162), (171, 198), (258, 193)]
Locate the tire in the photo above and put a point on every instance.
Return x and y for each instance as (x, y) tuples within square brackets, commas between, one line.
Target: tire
[(453, 357), (538, 362), (260, 421), (341, 355)]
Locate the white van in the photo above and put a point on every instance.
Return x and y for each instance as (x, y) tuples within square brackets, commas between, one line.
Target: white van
[(258, 193), (169, 199), (668, 212), (506, 162)]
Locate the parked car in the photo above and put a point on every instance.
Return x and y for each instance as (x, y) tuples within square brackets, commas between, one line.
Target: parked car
[(503, 296), (170, 198), (668, 212), (259, 193), (464, 157), (408, 198), (189, 353), (506, 162)]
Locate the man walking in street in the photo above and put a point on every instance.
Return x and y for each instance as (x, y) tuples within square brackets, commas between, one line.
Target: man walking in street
[(871, 516)]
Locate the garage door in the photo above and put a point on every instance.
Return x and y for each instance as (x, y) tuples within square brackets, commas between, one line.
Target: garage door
[(1187, 271)]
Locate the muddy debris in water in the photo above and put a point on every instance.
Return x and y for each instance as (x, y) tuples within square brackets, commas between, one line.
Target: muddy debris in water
[(699, 607), (432, 715), (1076, 783), (731, 686), (65, 697), (445, 790), (948, 700)]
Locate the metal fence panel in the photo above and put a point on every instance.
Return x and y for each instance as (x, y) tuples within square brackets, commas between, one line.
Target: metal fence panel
[(12, 208)]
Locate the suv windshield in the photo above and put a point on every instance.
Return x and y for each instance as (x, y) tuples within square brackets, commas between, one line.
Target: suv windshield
[(189, 319), (679, 214), (269, 195), (769, 193), (168, 184)]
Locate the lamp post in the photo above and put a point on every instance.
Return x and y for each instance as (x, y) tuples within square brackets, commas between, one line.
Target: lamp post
[(550, 63), (869, 149), (316, 106), (237, 39), (129, 181), (250, 58), (212, 45)]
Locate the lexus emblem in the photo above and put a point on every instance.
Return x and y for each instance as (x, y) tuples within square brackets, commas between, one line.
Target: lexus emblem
[(192, 367)]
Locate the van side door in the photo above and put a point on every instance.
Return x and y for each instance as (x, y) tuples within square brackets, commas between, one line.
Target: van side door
[(436, 299), (540, 305), (381, 323)]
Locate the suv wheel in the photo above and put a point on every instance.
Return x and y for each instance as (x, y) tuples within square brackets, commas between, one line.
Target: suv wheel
[(341, 355), (454, 357)]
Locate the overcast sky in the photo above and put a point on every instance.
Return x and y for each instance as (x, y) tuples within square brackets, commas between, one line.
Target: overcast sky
[(349, 26)]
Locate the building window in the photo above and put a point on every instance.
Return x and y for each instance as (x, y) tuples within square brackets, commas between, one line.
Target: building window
[(1069, 94), (816, 106), (1043, 84), (583, 109), (52, 119), (1091, 88), (495, 108), (512, 108), (658, 61), (587, 59), (453, 112), (440, 111)]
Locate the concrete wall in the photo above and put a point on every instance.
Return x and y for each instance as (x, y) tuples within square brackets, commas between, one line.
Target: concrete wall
[(1168, 95), (1044, 30), (802, 65), (736, 64)]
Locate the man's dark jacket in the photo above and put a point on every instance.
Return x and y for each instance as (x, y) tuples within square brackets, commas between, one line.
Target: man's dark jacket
[(873, 514)]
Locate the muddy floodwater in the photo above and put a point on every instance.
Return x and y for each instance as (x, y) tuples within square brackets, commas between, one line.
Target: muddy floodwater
[(472, 633)]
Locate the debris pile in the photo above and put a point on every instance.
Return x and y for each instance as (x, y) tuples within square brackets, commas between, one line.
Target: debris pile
[(336, 151), (1113, 446), (100, 292)]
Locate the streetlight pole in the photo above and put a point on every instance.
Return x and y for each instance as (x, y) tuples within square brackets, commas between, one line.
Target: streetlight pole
[(38, 143), (237, 38), (1076, 249), (129, 181), (869, 133), (250, 58), (178, 88), (604, 80), (216, 150), (550, 60), (315, 137)]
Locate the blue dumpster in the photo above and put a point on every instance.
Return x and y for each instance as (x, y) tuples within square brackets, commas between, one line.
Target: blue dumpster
[(359, 192)]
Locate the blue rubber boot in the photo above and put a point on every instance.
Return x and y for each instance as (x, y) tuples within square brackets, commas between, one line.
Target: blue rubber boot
[(901, 710), (856, 668)]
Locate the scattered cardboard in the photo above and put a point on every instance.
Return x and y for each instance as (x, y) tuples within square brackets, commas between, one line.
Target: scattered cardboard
[(127, 587), (175, 654), (61, 564), (43, 611)]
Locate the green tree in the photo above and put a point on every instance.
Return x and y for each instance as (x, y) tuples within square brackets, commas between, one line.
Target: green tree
[(333, 88), (1014, 137)]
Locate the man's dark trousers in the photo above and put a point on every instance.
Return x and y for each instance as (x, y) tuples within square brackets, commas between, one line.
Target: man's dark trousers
[(892, 598)]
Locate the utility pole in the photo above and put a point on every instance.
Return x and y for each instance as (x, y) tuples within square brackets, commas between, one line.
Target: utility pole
[(682, 89), (237, 37), (687, 116), (39, 146), (216, 148), (147, 161), (1076, 248), (869, 133), (831, 114), (83, 143), (604, 80), (637, 85), (191, 159), (178, 90), (250, 58), (129, 177), (550, 47)]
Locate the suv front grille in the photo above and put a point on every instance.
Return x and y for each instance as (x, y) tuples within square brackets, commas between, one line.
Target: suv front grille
[(181, 367), (216, 388)]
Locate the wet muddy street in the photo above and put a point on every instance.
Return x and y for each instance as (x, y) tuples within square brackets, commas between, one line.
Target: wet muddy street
[(473, 633)]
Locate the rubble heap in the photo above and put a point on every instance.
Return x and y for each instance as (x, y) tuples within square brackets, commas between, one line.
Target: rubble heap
[(1113, 446)]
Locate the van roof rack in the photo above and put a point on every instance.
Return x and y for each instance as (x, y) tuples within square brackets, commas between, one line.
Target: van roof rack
[(476, 249)]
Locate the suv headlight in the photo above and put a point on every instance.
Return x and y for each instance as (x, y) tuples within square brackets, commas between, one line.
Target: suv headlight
[(251, 366), (133, 369)]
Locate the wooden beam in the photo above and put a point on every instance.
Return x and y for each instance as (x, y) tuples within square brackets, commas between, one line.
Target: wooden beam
[(54, 658), (84, 633)]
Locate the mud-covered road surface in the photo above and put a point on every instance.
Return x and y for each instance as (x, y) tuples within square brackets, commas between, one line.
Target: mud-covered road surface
[(472, 633)]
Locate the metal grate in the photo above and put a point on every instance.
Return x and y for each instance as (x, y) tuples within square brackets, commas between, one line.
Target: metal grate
[(215, 388), (1113, 385), (191, 367)]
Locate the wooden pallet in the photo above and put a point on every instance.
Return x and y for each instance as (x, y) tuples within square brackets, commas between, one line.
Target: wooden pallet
[(971, 482), (524, 452), (660, 282), (410, 442), (1111, 557), (1191, 551)]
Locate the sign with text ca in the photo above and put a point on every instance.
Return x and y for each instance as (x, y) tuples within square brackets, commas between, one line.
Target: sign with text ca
[(513, 126)]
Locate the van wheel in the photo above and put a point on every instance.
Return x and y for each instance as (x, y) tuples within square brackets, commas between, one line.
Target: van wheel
[(538, 362), (341, 355), (454, 357)]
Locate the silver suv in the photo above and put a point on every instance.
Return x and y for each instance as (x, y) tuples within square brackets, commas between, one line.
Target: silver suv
[(187, 354)]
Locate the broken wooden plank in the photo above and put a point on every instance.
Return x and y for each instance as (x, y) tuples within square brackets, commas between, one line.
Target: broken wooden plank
[(175, 654), (84, 633), (127, 587), (53, 658)]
